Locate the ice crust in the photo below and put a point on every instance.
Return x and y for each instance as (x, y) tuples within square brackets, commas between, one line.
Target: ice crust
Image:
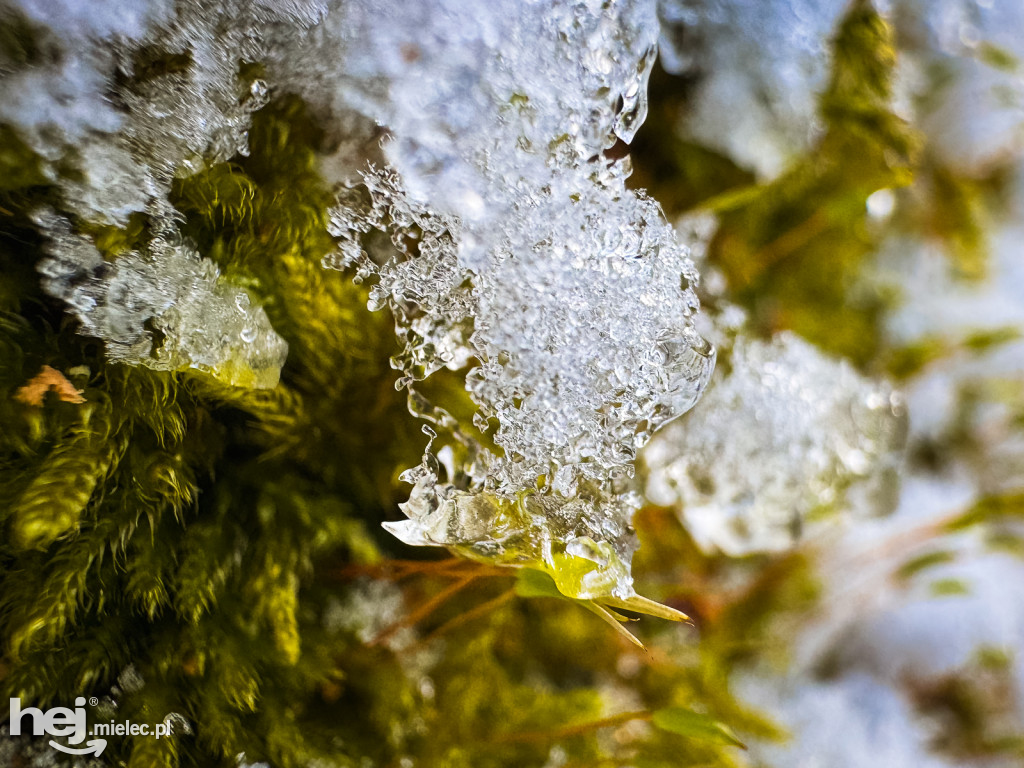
[(499, 232), (112, 131), (574, 390), (567, 295)]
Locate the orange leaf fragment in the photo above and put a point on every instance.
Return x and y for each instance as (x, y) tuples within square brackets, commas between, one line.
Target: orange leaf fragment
[(49, 378)]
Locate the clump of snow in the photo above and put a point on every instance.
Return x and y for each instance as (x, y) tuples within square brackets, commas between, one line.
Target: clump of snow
[(568, 295), (968, 56), (778, 438), (759, 67), (116, 102), (854, 722), (901, 642), (906, 600), (367, 609)]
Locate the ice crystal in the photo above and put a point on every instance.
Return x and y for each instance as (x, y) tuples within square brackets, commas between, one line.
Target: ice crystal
[(116, 103), (367, 610), (131, 96), (775, 440), (523, 254), (484, 99)]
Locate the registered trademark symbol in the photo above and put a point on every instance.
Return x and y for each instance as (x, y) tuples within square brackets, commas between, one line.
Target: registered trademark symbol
[(93, 701)]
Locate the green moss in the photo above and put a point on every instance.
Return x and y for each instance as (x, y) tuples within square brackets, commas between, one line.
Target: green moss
[(956, 213), (991, 509), (985, 341), (171, 522), (904, 362), (973, 709), (210, 537), (998, 58), (190, 529), (22, 44), (948, 588)]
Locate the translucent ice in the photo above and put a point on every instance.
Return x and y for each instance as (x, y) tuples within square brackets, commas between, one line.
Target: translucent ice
[(164, 307), (116, 102), (574, 388)]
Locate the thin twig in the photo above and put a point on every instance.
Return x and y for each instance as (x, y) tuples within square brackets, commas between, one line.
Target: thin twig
[(793, 239), (470, 615), (426, 609), (400, 569)]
